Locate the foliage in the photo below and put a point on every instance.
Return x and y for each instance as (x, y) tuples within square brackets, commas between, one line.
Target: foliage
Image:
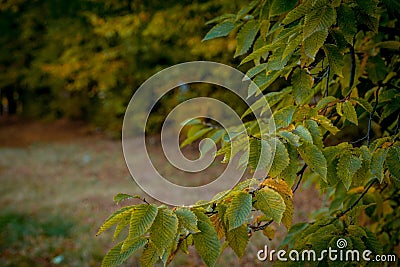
[(329, 70), (84, 59)]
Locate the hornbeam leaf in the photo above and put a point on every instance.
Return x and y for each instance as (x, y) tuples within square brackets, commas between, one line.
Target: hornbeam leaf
[(297, 13), (301, 82), (314, 42), (115, 256), (314, 158), (335, 59), (187, 219), (116, 217), (142, 217), (393, 161), (220, 30), (346, 23), (206, 241), (349, 112), (326, 123), (245, 37), (237, 239), (279, 7), (378, 158), (149, 255), (238, 210), (270, 203), (163, 229), (347, 166), (324, 102), (281, 158), (318, 19), (303, 133)]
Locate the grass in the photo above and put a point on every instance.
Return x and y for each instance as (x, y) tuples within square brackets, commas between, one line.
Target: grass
[(54, 196)]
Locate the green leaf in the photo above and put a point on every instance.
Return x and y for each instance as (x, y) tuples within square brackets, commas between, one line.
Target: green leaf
[(149, 255), (198, 134), (120, 197), (246, 36), (378, 157), (238, 210), (115, 257), (284, 117), (142, 217), (303, 133), (393, 161), (121, 225), (281, 158), (314, 42), (163, 229), (289, 137), (292, 45), (395, 45), (326, 123), (237, 239), (302, 83), (347, 166), (376, 68), (260, 155), (349, 112), (370, 6), (206, 241), (289, 173), (287, 217), (372, 242), (220, 30), (258, 53), (222, 17), (246, 9), (346, 22), (279, 7), (270, 203), (187, 219), (319, 19), (364, 104), (116, 217), (324, 102), (313, 128), (256, 70), (314, 158), (297, 13), (335, 59)]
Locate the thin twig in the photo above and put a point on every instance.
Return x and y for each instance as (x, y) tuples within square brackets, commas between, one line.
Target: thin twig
[(260, 227), (372, 114), (341, 214), (301, 172)]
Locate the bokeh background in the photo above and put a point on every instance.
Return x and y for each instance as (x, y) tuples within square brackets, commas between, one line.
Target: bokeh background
[(67, 71)]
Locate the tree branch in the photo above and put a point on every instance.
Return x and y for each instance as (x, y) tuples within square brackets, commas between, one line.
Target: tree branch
[(342, 213)]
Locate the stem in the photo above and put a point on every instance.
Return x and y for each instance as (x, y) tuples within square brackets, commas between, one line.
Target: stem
[(341, 214), (261, 227), (301, 172), (352, 67), (371, 115)]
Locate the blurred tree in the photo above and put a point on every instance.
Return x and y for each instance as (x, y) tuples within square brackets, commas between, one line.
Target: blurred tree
[(84, 59)]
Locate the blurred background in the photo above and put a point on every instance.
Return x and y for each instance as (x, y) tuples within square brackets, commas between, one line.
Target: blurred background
[(68, 69)]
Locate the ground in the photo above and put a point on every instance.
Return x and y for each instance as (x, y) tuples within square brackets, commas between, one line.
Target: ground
[(57, 184)]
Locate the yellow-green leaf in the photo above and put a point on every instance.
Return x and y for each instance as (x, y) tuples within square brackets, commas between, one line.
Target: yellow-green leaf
[(237, 239), (270, 203), (349, 112)]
